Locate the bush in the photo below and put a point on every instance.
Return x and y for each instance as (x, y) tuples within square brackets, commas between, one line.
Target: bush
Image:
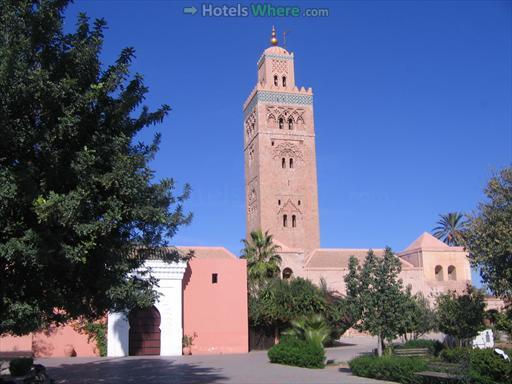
[(392, 368), (434, 346), (485, 366), (455, 355), (21, 366), (299, 353)]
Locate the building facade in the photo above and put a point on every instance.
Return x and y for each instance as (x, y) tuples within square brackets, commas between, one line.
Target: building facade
[(282, 192)]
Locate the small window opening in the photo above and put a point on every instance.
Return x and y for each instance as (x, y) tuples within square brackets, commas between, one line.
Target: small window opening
[(452, 273), (294, 221), (439, 273), (278, 202), (275, 80), (290, 123), (215, 278), (284, 81), (272, 143), (281, 123), (287, 273), (298, 202), (291, 163), (283, 162), (285, 220)]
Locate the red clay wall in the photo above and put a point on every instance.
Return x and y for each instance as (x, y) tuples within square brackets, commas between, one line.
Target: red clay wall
[(54, 342), (216, 313)]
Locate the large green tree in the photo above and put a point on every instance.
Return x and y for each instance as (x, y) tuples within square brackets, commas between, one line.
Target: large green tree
[(79, 206), (461, 316), (376, 292), (489, 235), (263, 260), (450, 228), (280, 302)]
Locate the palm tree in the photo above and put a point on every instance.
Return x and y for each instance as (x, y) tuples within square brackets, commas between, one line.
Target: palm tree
[(311, 328), (450, 228), (263, 261)]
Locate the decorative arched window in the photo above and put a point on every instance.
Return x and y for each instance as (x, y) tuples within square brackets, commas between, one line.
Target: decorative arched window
[(291, 163), (281, 123), (276, 80), (285, 220), (290, 123), (283, 162), (284, 81), (439, 273), (452, 273), (287, 273), (294, 221)]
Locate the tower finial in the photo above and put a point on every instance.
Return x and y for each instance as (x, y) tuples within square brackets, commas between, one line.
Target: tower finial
[(273, 39)]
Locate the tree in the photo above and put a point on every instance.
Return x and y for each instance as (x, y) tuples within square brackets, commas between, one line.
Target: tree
[(263, 261), (375, 290), (281, 301), (418, 317), (450, 229), (489, 235), (461, 316), (79, 206), (310, 328)]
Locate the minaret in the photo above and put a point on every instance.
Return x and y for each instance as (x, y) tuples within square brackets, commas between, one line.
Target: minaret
[(279, 149)]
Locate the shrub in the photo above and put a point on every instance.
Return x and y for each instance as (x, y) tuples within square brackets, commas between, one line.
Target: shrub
[(392, 368), (485, 366), (434, 346), (299, 353), (21, 366), (455, 355)]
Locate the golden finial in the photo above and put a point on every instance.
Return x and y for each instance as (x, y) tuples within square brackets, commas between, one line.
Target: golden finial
[(273, 39)]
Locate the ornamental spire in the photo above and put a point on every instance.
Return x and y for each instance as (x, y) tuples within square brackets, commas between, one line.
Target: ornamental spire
[(273, 39)]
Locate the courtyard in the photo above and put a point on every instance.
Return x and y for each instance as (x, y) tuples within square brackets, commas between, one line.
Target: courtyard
[(250, 368)]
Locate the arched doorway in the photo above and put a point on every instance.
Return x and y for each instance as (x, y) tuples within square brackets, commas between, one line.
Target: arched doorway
[(144, 335)]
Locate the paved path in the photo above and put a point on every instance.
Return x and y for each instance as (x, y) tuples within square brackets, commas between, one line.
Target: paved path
[(248, 368)]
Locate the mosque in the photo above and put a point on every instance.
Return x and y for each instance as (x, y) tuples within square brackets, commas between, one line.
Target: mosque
[(282, 192)]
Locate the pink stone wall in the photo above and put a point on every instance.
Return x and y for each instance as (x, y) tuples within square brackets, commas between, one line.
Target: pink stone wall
[(51, 343), (216, 313)]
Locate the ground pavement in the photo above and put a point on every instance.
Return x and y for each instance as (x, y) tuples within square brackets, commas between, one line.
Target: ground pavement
[(251, 368)]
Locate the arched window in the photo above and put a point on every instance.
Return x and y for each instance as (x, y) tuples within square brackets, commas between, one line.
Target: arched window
[(278, 202), (275, 80), (287, 273), (290, 123), (283, 162), (281, 123), (291, 163), (285, 220), (298, 202), (439, 273), (452, 273), (294, 221), (284, 81)]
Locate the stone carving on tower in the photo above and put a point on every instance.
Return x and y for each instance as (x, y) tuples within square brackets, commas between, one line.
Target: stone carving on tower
[(280, 158)]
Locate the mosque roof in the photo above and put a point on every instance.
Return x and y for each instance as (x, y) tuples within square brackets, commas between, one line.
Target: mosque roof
[(336, 257), (276, 50), (208, 253), (427, 241)]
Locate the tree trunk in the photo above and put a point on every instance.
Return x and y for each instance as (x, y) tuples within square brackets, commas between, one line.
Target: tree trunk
[(276, 335), (379, 345)]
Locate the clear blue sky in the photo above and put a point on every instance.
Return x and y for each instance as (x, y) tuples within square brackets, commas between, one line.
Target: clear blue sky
[(412, 107)]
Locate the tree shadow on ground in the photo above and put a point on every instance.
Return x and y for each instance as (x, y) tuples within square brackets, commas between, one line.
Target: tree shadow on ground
[(134, 370)]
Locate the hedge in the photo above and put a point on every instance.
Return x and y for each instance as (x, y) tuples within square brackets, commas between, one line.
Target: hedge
[(299, 353), (391, 368)]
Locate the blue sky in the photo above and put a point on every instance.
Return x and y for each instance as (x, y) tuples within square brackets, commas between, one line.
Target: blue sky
[(413, 107)]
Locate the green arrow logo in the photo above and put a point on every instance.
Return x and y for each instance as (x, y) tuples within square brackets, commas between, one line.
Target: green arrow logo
[(190, 10)]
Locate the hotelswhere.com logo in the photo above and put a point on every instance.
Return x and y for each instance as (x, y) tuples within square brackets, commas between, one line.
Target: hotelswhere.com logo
[(254, 10)]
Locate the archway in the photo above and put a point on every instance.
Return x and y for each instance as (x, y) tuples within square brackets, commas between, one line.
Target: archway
[(144, 335)]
